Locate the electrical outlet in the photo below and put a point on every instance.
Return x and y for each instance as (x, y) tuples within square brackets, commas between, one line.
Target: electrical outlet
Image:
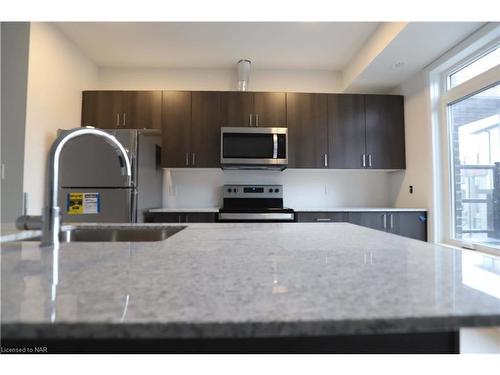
[(411, 189)]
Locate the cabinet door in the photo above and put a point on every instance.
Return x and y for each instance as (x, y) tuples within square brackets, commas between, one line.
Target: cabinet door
[(269, 109), (200, 217), (374, 220), (104, 109), (307, 130), (320, 217), (385, 131), (176, 129), (346, 130), (163, 217), (205, 129), (236, 108), (144, 111), (408, 224)]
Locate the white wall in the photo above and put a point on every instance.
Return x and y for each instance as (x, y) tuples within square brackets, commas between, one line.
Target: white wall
[(57, 74), (418, 139), (217, 79), (185, 188)]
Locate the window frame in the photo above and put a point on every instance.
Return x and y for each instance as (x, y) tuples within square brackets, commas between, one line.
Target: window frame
[(449, 96)]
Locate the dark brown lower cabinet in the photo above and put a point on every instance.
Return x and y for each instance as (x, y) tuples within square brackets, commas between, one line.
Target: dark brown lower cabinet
[(181, 217), (321, 217), (407, 224), (374, 220)]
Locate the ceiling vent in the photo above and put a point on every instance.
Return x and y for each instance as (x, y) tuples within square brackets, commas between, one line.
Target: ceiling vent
[(243, 74)]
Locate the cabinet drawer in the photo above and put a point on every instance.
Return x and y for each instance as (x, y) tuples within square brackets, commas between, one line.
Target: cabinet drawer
[(321, 217)]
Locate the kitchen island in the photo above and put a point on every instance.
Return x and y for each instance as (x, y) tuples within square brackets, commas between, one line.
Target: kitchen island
[(249, 288)]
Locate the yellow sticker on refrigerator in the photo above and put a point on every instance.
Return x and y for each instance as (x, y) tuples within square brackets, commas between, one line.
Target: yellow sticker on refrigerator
[(83, 203)]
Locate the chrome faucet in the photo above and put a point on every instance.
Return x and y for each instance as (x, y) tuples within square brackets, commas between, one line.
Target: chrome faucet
[(51, 218)]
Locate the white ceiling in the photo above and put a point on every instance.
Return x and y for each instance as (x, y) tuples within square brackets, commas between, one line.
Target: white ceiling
[(416, 46), (329, 46), (273, 45)]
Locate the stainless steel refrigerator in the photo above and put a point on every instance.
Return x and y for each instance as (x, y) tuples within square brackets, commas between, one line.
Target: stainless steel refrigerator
[(93, 187)]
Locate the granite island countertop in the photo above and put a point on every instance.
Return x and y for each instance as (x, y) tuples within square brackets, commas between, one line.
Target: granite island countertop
[(246, 280)]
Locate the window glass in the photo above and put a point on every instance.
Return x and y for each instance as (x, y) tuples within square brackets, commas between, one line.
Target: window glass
[(475, 147), (481, 65)]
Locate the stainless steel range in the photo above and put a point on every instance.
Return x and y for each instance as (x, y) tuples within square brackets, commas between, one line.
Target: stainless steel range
[(254, 203)]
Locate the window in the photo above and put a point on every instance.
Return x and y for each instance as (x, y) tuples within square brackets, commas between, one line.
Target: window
[(476, 67), (474, 141), (475, 145)]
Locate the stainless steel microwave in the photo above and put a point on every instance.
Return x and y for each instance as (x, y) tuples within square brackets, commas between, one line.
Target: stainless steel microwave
[(253, 148)]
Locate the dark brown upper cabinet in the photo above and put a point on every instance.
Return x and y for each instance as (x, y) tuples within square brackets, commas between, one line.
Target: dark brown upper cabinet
[(144, 110), (104, 109), (253, 109), (270, 109), (122, 109), (191, 129), (236, 108), (176, 129), (366, 131), (307, 130), (205, 129), (346, 130), (385, 131)]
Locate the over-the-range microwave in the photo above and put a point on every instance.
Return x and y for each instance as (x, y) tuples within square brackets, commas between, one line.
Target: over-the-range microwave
[(253, 148)]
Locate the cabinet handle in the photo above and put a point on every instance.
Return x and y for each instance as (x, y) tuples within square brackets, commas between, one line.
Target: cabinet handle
[(256, 119), (323, 219), (384, 221), (325, 158), (363, 160), (124, 119), (187, 159), (391, 221), (369, 160), (250, 119), (117, 120), (194, 159)]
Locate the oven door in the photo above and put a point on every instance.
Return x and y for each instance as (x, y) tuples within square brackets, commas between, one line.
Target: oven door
[(254, 147)]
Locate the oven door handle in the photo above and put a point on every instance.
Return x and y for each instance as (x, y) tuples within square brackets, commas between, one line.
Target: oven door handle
[(275, 146)]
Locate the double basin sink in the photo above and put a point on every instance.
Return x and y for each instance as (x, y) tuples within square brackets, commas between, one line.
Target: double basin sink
[(119, 234)]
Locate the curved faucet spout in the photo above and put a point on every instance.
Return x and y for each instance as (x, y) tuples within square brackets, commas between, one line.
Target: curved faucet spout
[(52, 213)]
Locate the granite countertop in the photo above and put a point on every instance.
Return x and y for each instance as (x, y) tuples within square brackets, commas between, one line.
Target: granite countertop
[(246, 280), (307, 209)]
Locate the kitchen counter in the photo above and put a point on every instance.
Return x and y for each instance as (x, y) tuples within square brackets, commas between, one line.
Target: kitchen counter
[(246, 281)]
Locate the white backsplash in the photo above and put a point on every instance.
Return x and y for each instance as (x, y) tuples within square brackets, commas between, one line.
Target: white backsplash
[(303, 188)]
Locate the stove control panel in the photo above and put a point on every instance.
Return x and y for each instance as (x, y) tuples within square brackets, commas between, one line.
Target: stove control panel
[(253, 191)]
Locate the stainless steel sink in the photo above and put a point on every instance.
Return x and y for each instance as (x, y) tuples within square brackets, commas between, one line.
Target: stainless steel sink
[(116, 234)]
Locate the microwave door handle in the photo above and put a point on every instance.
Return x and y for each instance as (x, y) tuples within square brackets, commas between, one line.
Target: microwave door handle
[(275, 146)]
